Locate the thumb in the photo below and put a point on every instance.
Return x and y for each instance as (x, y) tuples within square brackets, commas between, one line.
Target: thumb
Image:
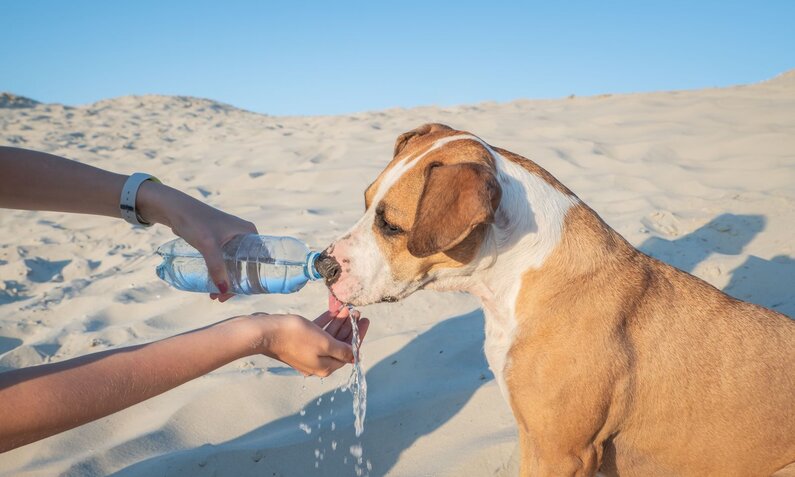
[(340, 351), (213, 257)]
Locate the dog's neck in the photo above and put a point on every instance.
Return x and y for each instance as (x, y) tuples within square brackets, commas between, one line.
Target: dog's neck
[(542, 237), (528, 226)]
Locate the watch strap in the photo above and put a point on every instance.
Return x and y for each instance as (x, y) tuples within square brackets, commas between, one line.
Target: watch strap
[(129, 193)]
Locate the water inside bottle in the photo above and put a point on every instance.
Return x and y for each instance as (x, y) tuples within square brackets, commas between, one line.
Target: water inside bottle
[(246, 277), (254, 265), (266, 275)]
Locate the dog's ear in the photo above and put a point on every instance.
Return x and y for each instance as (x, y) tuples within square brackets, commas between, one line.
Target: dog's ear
[(457, 198), (404, 138)]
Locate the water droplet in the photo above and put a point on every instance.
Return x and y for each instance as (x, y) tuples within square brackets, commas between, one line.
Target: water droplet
[(356, 450)]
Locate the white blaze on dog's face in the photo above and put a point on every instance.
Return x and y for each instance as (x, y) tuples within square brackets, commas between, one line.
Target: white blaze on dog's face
[(427, 214)]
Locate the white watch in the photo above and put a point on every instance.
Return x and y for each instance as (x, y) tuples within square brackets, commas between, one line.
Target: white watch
[(128, 194)]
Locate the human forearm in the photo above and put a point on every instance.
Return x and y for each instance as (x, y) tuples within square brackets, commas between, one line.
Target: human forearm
[(34, 180), (39, 181), (40, 401), (43, 400)]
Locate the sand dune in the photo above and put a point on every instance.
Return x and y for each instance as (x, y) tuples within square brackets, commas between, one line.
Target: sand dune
[(704, 180)]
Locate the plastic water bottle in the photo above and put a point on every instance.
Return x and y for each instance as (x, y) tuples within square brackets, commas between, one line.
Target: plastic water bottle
[(254, 263)]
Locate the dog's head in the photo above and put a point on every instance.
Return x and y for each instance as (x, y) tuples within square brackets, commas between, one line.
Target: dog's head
[(426, 216)]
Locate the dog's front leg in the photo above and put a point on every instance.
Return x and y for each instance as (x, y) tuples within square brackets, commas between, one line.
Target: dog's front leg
[(548, 460), (564, 416)]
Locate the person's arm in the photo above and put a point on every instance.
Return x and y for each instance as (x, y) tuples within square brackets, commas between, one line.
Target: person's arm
[(40, 401), (35, 180)]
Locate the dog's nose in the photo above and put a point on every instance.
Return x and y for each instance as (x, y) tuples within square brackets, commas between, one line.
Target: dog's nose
[(328, 267)]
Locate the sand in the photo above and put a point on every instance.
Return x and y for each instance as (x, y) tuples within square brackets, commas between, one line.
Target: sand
[(704, 180)]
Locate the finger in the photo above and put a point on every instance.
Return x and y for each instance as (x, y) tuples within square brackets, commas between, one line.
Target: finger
[(344, 332), (329, 365), (314, 365), (364, 325), (340, 351), (216, 267), (252, 229), (214, 296), (225, 297), (323, 319), (334, 327)]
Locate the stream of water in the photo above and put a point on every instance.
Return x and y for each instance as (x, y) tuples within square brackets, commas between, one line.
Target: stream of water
[(357, 382), (357, 385)]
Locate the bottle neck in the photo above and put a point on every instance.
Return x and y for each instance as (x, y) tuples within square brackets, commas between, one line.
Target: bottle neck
[(310, 270)]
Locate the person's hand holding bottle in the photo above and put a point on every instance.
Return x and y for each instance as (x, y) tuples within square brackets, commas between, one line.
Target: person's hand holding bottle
[(206, 228)]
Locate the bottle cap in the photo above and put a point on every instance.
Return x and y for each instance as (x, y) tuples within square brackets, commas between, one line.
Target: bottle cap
[(310, 269)]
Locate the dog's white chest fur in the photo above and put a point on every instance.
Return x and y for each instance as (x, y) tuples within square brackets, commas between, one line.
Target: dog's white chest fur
[(499, 338), (528, 226)]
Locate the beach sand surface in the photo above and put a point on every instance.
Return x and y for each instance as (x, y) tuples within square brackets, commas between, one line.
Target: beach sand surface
[(704, 180)]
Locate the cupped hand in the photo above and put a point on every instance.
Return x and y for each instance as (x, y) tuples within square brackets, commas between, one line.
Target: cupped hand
[(204, 227), (313, 348)]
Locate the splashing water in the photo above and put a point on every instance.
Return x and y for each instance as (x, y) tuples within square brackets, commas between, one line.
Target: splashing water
[(357, 383)]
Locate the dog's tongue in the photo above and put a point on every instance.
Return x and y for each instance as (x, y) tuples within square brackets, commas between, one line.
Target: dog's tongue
[(334, 305)]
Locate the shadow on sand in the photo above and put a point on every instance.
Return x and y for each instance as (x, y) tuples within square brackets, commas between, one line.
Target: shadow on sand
[(770, 283)]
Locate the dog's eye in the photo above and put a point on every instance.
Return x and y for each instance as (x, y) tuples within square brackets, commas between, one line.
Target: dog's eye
[(385, 227), (391, 229)]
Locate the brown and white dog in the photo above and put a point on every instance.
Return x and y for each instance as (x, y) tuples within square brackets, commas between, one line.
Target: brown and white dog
[(611, 360)]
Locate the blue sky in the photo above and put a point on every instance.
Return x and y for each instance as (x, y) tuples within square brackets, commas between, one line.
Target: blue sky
[(300, 57)]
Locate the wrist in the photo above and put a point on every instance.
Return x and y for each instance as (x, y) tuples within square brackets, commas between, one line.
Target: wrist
[(246, 335), (152, 201)]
